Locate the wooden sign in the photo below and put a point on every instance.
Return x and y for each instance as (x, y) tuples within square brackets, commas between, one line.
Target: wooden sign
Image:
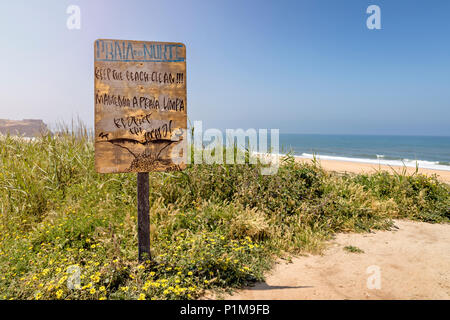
[(140, 106)]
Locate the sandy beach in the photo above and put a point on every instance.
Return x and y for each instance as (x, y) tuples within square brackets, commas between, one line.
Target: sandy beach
[(356, 167)]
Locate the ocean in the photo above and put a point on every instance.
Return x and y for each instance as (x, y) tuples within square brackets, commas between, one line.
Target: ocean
[(426, 151)]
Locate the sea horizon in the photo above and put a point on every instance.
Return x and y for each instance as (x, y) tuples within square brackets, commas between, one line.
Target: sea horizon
[(428, 152)]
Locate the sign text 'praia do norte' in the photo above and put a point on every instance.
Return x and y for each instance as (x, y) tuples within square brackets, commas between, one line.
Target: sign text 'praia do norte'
[(139, 51), (140, 106)]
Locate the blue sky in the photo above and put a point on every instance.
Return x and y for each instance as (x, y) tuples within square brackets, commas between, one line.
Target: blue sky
[(300, 66)]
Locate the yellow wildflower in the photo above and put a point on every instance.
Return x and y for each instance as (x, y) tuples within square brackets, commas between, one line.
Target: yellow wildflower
[(59, 294)]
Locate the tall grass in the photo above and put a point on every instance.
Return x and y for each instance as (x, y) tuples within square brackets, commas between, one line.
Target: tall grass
[(212, 226)]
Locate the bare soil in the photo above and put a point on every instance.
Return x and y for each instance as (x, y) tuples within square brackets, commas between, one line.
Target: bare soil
[(413, 260)]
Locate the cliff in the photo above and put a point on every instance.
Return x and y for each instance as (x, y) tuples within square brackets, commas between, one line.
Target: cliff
[(26, 127)]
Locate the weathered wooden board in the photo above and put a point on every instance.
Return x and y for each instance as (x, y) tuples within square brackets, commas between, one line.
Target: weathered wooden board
[(140, 106)]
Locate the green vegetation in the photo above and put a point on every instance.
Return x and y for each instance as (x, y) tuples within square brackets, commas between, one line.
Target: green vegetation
[(212, 226), (353, 249)]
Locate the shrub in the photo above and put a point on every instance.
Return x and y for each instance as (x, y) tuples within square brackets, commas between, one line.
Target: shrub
[(212, 226)]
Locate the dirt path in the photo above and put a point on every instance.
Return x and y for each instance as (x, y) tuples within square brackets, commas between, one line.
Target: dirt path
[(414, 263)]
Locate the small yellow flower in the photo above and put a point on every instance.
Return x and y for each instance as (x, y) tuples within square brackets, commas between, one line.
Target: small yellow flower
[(59, 294), (61, 281), (102, 298), (89, 285), (124, 289), (141, 296), (102, 289), (92, 291)]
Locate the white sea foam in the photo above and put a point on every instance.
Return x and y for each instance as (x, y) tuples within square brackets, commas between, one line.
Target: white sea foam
[(424, 164)]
